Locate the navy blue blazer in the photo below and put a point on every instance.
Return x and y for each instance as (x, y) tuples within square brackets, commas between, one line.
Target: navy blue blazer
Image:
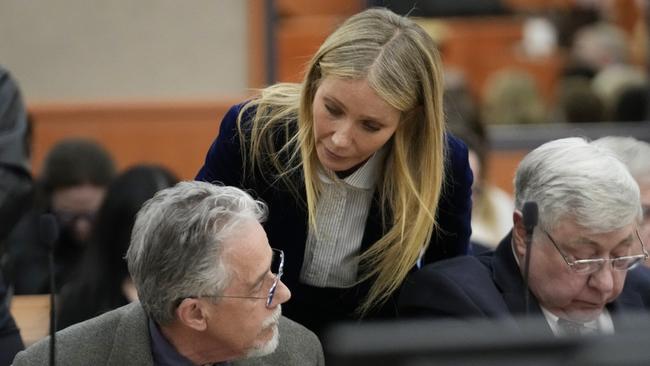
[(287, 224), (491, 285)]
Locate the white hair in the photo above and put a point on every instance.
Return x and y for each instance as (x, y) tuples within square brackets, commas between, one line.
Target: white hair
[(178, 239), (632, 152), (573, 179)]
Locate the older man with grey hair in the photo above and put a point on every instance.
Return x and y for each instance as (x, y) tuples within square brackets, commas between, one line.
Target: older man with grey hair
[(209, 291), (580, 253)]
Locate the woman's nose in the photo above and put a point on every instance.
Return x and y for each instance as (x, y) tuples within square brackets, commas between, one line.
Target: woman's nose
[(341, 137)]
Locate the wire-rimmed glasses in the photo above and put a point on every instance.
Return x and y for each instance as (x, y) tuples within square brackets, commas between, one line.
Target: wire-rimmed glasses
[(588, 266)]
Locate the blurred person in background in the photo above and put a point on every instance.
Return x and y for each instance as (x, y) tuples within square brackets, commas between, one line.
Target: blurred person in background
[(491, 207), (15, 195), (577, 102), (512, 97), (632, 104), (599, 45), (101, 282), (71, 186), (636, 156), (612, 82)]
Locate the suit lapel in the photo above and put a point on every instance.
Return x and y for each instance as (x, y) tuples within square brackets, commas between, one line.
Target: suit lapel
[(507, 276), (131, 344)]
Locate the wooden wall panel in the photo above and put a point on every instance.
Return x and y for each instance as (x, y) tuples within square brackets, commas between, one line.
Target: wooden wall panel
[(298, 38), (174, 134), (502, 165)]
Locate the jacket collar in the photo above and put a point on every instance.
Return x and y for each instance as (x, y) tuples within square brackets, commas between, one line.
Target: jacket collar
[(507, 276), (131, 344)]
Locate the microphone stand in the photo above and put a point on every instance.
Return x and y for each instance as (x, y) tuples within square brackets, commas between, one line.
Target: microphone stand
[(528, 240), (530, 216), (49, 233), (52, 311)]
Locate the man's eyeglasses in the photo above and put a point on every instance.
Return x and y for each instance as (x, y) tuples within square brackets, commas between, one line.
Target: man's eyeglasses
[(277, 267), (588, 266)]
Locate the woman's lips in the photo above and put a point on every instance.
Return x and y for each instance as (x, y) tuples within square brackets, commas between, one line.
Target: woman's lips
[(332, 155)]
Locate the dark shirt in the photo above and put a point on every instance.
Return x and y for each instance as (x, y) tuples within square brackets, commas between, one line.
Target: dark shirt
[(164, 354)]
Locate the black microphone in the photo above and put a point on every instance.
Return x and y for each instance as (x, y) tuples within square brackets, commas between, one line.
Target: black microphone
[(530, 214), (48, 232)]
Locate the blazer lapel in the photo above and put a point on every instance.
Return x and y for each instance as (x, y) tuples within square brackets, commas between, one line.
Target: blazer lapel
[(507, 276)]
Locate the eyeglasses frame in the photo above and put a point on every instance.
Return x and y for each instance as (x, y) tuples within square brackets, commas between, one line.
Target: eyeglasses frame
[(572, 264), (269, 298)]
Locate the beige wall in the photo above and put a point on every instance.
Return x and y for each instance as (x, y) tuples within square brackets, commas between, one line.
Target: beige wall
[(78, 50)]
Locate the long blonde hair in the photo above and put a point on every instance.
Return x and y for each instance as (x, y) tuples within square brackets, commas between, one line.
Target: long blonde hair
[(400, 62)]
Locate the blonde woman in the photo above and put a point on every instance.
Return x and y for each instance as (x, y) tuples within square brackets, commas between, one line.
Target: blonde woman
[(361, 179)]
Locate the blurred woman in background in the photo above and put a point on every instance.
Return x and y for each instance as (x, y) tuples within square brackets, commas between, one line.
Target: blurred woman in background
[(102, 280)]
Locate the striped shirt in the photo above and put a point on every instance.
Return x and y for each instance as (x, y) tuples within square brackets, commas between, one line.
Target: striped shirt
[(331, 253)]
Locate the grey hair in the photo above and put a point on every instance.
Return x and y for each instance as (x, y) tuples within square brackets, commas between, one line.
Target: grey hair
[(632, 152), (573, 179), (177, 241)]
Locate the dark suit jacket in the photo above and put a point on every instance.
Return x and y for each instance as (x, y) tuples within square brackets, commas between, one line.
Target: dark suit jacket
[(287, 225), (121, 337), (491, 285)]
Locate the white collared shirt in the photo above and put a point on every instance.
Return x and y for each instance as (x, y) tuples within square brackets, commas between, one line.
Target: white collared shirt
[(331, 252), (602, 325)]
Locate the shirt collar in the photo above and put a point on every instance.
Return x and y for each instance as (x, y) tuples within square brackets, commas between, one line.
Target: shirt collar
[(363, 178), (603, 323), (163, 352)]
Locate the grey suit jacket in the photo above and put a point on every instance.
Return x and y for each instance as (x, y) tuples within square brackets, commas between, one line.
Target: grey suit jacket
[(121, 337)]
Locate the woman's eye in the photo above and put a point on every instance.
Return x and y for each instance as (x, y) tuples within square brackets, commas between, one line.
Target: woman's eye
[(332, 110), (371, 127)]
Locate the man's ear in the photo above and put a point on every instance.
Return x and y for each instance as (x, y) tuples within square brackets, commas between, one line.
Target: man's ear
[(191, 313), (518, 234)]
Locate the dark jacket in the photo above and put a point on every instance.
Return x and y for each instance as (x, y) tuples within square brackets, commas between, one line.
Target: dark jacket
[(491, 285)]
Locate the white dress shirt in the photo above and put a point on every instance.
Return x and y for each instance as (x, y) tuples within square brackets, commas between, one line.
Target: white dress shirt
[(602, 325), (332, 250)]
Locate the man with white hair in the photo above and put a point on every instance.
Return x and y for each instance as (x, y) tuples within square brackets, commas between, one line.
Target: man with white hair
[(585, 241), (209, 291)]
